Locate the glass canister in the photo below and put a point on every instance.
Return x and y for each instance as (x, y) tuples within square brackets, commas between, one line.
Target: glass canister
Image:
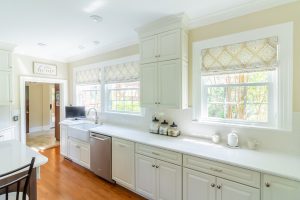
[(173, 130), (154, 126), (163, 129)]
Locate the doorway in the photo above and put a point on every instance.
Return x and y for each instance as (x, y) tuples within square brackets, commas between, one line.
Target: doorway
[(51, 100), (42, 115)]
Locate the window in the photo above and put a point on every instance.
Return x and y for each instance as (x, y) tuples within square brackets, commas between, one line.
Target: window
[(245, 78), (89, 96), (243, 97), (123, 97)]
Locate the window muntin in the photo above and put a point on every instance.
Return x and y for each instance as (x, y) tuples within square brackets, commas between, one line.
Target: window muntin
[(89, 96), (241, 98), (123, 97)]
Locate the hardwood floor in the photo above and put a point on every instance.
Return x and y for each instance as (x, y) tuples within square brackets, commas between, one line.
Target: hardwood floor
[(63, 180)]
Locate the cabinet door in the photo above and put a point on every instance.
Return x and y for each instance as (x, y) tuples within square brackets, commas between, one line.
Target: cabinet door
[(228, 190), (85, 155), (74, 150), (169, 180), (145, 176), (7, 134), (5, 87), (63, 140), (169, 45), (276, 188), (198, 186), (5, 60), (169, 84), (148, 49), (149, 84), (123, 162)]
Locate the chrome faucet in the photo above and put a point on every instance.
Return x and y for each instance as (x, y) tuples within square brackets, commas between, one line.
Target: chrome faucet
[(96, 115)]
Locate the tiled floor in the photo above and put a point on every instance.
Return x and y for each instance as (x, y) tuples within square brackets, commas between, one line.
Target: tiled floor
[(42, 140)]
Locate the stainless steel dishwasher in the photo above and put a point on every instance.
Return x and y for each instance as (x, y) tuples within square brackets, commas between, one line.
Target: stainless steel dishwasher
[(101, 155)]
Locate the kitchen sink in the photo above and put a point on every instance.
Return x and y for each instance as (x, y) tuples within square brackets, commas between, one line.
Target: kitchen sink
[(81, 131)]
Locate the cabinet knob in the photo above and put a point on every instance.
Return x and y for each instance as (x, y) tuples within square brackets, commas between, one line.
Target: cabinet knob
[(213, 185), (267, 184), (219, 187), (157, 166), (158, 102), (153, 165)]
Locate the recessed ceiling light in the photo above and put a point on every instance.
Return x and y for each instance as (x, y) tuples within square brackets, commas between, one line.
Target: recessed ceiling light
[(41, 44), (96, 42), (96, 18), (81, 47)]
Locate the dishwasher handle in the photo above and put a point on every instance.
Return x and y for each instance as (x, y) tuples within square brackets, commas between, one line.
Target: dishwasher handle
[(99, 137)]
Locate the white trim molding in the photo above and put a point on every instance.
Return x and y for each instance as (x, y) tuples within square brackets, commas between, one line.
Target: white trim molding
[(284, 32)]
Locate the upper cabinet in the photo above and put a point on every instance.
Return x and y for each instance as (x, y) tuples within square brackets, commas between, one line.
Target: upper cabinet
[(5, 59), (164, 63), (169, 45)]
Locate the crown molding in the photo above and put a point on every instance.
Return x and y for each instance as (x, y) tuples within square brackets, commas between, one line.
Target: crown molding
[(237, 11)]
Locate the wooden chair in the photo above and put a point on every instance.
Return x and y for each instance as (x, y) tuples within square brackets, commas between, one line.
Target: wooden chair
[(16, 186)]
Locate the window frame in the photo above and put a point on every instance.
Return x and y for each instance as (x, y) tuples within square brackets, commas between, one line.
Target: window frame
[(284, 75), (102, 65)]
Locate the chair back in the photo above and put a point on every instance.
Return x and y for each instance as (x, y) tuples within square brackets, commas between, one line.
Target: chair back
[(17, 181)]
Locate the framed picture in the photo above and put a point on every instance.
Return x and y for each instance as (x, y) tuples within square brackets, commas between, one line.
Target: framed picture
[(44, 69)]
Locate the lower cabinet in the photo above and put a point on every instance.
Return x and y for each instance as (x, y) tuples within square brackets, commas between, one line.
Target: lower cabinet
[(276, 188), (123, 168), (63, 140), (156, 179), (79, 152), (201, 186)]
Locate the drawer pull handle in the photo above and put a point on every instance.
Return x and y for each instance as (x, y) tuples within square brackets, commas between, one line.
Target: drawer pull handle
[(121, 145), (213, 185), (216, 170), (267, 184), (157, 166), (154, 153), (153, 165), (219, 187)]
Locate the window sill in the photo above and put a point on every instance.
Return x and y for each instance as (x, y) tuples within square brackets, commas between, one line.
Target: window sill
[(238, 125)]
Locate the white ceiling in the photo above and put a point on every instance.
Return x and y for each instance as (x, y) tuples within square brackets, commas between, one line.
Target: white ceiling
[(64, 25)]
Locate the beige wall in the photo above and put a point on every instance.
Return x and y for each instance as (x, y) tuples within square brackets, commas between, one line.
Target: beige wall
[(277, 15), (39, 104)]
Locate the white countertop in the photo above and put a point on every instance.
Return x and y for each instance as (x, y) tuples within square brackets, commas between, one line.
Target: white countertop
[(14, 154), (278, 164)]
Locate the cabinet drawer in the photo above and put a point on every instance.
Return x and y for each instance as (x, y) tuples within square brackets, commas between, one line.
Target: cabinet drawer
[(165, 155), (229, 172)]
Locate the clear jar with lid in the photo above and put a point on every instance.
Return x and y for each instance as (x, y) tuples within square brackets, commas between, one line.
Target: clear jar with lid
[(154, 126), (163, 129), (173, 130)]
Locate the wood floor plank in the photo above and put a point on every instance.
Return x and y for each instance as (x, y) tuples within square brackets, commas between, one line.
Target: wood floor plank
[(64, 180)]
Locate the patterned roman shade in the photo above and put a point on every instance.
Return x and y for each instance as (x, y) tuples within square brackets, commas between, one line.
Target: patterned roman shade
[(257, 55), (124, 72), (89, 76)]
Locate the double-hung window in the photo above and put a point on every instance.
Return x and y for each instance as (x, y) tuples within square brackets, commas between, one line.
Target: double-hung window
[(244, 83), (122, 88), (88, 87)]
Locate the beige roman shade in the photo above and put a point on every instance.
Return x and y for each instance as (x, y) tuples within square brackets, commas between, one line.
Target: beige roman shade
[(124, 72), (257, 55), (88, 76)]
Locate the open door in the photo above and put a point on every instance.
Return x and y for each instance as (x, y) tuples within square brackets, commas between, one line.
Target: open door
[(57, 111), (27, 107)]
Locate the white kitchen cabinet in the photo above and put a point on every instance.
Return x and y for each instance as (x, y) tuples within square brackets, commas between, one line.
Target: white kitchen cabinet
[(5, 60), (123, 168), (168, 45), (7, 134), (5, 87), (145, 175), (277, 188), (164, 84), (169, 181), (149, 85), (198, 185), (229, 190), (63, 140), (157, 179), (79, 152)]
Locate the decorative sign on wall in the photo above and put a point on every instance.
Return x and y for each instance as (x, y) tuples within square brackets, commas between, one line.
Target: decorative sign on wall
[(44, 69)]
